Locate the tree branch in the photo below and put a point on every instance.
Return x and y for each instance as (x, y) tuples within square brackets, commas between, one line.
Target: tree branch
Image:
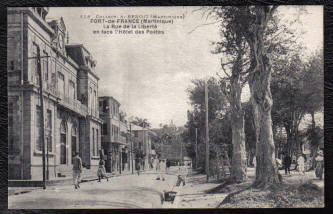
[(223, 68), (201, 25)]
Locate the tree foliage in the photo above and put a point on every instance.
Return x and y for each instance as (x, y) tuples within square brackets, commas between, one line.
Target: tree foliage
[(141, 122), (297, 89), (219, 121)]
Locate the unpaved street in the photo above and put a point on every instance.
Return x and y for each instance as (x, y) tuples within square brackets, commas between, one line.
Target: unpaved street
[(129, 191)]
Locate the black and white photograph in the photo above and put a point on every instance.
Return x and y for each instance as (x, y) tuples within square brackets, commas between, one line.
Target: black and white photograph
[(165, 107)]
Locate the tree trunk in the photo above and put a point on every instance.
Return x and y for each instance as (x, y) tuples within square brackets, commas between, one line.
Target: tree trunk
[(314, 149), (313, 121), (259, 82), (239, 166)]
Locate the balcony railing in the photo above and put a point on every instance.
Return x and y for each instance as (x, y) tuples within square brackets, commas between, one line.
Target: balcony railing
[(119, 139), (73, 104), (53, 90)]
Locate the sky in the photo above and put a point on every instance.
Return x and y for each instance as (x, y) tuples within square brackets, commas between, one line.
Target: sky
[(149, 74)]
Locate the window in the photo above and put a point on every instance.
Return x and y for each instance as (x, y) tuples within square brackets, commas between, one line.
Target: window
[(12, 65), (63, 143), (97, 142), (93, 142), (61, 83), (48, 130), (71, 89), (45, 66), (95, 101), (35, 62), (104, 129), (105, 106), (136, 134), (90, 99), (74, 141), (38, 136)]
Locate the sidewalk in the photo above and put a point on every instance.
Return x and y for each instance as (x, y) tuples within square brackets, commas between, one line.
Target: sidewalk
[(64, 181), (193, 194)]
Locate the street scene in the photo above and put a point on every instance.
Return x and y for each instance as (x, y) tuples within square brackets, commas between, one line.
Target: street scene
[(165, 107)]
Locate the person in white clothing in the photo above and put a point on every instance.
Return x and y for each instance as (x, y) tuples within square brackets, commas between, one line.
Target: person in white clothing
[(162, 169), (300, 162)]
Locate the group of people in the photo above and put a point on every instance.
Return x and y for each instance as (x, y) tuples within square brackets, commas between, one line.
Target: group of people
[(300, 164), (160, 167), (77, 170)]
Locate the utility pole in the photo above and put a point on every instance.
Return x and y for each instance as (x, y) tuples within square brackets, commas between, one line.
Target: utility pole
[(42, 112), (196, 148), (181, 148), (131, 147), (207, 132)]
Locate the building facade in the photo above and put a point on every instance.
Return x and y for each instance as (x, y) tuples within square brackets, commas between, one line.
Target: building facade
[(143, 141), (114, 136), (39, 47)]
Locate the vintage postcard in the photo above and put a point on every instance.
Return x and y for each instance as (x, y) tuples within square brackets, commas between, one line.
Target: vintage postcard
[(165, 107)]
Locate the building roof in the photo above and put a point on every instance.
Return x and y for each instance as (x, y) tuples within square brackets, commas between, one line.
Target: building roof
[(109, 97), (137, 128)]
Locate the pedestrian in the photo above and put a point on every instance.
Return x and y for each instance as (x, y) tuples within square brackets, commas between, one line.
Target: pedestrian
[(137, 166), (162, 169), (180, 180), (157, 164), (168, 165), (287, 163), (101, 172), (157, 168), (300, 162), (77, 170)]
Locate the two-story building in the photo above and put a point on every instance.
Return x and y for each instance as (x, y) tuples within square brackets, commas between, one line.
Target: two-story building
[(143, 139), (70, 91), (114, 141)]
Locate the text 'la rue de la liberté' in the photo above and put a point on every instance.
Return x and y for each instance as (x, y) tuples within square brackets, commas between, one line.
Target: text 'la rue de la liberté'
[(131, 24)]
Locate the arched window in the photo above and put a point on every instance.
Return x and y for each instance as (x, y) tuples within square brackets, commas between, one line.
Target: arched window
[(74, 140), (63, 143)]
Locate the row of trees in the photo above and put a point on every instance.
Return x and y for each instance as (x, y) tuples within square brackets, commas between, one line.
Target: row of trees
[(253, 44)]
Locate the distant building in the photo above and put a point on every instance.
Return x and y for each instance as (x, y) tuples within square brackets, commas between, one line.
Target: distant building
[(143, 139), (70, 86), (114, 131)]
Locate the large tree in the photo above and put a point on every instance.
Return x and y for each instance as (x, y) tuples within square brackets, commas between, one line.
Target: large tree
[(297, 88), (261, 97), (219, 122), (233, 64)]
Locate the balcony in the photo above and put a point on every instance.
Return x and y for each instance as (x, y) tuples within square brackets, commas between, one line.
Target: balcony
[(93, 112), (119, 140), (73, 104), (52, 90)]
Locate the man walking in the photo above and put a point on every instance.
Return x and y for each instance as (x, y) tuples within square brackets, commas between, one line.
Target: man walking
[(77, 169), (287, 163), (168, 163)]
